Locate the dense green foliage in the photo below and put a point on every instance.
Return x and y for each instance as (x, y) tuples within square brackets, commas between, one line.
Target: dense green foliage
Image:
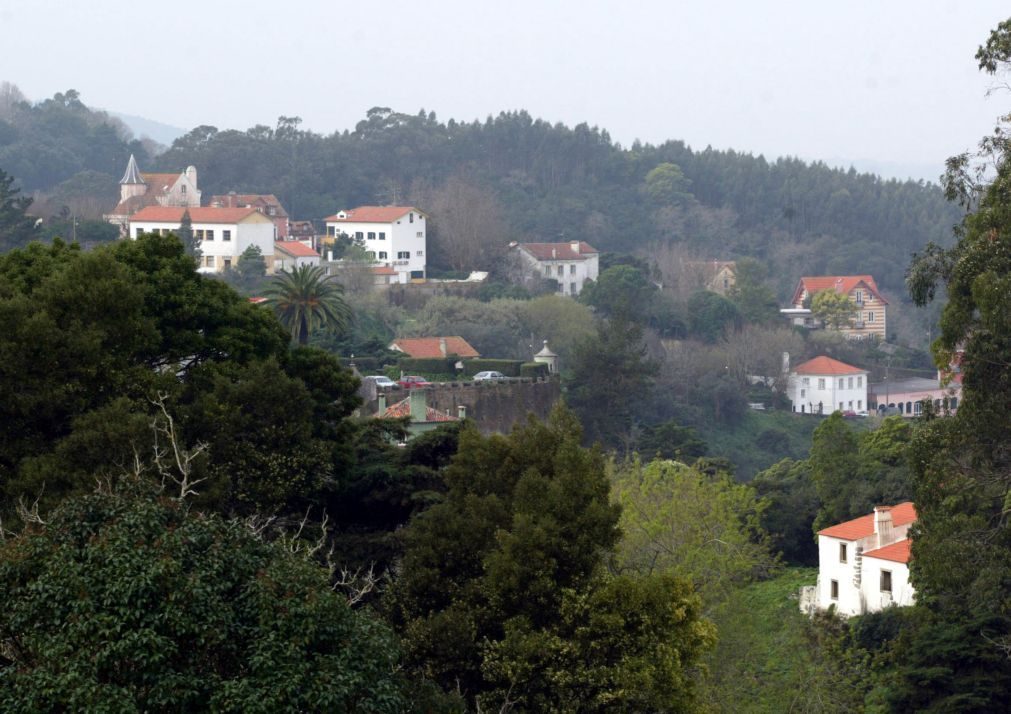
[(16, 226), (135, 603), (307, 300)]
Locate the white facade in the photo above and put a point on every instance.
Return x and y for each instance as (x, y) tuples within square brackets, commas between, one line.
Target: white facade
[(222, 242), (824, 385), (392, 236), (569, 264), (863, 564)]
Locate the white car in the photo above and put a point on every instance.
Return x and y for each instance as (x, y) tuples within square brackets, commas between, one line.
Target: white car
[(381, 380), (489, 376)]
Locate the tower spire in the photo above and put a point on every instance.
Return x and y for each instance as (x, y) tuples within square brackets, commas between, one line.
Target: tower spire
[(132, 174)]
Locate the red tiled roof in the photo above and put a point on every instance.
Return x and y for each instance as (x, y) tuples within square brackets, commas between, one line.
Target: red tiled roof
[(373, 214), (295, 249), (174, 214), (422, 347), (863, 526), (558, 251), (840, 283), (257, 300), (237, 200), (826, 365), (403, 409), (898, 552), (159, 182)]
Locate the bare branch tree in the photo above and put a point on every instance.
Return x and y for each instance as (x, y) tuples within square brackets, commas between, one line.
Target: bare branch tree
[(173, 462)]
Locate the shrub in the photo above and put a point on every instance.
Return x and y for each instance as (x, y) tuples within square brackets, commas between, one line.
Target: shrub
[(427, 365), (534, 370)]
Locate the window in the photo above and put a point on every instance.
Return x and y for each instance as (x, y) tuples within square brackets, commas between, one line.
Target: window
[(572, 288), (372, 235), (410, 218), (561, 270), (382, 235), (383, 255), (859, 297), (404, 255), (870, 317), (420, 253), (821, 382), (851, 404), (806, 381), (359, 235), (842, 552), (547, 272), (209, 234), (199, 234), (228, 263), (209, 261), (226, 235), (182, 189), (572, 269), (331, 231), (842, 383), (849, 383), (886, 581), (271, 211), (841, 406), (834, 590), (803, 393), (860, 382), (420, 234), (140, 232), (918, 408), (860, 404), (371, 254)]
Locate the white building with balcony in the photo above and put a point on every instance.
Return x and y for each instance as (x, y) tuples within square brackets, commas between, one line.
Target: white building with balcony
[(224, 233), (393, 236), (863, 564), (824, 385)]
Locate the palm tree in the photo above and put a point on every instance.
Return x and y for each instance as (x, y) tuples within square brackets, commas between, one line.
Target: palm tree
[(306, 299)]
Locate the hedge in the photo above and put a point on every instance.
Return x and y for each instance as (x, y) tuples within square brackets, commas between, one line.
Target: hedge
[(534, 370), (508, 367), (427, 365)]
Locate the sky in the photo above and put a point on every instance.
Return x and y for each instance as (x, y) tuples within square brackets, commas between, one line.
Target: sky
[(888, 86)]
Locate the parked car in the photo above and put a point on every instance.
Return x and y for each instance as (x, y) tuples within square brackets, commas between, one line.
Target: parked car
[(489, 376), (412, 381), (381, 380)]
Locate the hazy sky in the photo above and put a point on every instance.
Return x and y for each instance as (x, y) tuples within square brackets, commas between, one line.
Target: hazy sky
[(885, 84)]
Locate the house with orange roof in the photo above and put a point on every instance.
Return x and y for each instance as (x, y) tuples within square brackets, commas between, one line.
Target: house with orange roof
[(569, 264), (415, 407), (393, 236), (434, 347), (863, 564), (138, 190), (823, 385), (266, 203), (869, 307), (224, 233), (291, 254)]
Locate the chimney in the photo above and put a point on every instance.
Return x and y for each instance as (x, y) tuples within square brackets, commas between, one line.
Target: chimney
[(786, 363), (381, 409), (461, 412), (442, 346), (575, 246), (554, 253), (191, 174), (883, 525), (419, 406)]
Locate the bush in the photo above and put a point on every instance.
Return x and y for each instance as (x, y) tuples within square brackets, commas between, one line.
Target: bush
[(427, 365), (508, 367), (534, 370)]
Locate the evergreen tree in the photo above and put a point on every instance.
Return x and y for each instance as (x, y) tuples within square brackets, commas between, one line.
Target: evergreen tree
[(189, 240), (17, 228)]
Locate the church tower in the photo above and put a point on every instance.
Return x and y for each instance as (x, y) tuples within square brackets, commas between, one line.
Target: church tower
[(131, 184)]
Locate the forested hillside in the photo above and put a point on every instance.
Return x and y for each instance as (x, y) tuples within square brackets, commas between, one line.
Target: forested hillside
[(523, 177)]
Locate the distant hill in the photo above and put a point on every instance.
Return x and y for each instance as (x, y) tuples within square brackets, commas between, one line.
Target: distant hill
[(164, 134)]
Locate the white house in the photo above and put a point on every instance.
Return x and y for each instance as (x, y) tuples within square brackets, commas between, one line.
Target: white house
[(863, 564), (291, 254), (571, 264), (137, 190), (824, 385), (224, 233), (393, 236)]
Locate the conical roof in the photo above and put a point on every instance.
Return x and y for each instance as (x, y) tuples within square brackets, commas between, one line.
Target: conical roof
[(545, 352), (132, 174)]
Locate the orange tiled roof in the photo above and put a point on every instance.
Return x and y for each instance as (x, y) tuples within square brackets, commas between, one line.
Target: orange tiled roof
[(373, 214), (383, 270), (897, 552), (423, 347), (159, 183), (558, 251), (174, 214), (827, 365), (240, 200), (295, 249), (840, 283), (403, 409), (863, 526)]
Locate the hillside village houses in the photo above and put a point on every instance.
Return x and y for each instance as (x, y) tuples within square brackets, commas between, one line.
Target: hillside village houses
[(717, 276), (138, 190), (824, 385), (869, 307), (224, 233), (429, 347), (292, 254), (393, 236), (267, 204), (863, 564), (570, 264)]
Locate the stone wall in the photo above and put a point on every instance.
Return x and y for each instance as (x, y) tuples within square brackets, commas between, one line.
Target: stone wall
[(493, 406)]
